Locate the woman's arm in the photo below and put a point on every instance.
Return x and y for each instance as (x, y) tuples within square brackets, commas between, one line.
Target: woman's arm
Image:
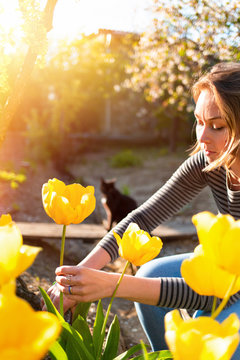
[(96, 259), (91, 285)]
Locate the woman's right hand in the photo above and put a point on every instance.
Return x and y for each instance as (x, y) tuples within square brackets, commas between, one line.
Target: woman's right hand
[(97, 259), (54, 294)]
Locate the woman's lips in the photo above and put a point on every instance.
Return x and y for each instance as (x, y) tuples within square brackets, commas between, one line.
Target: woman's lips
[(209, 152)]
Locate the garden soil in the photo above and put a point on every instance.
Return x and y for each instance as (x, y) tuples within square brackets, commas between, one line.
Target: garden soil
[(25, 204)]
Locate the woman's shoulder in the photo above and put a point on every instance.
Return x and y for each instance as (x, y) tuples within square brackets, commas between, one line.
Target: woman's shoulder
[(196, 161)]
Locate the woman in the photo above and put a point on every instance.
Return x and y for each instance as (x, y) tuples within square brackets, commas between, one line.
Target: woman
[(215, 162)]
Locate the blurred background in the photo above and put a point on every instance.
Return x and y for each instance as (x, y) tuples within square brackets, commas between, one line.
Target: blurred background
[(108, 73)]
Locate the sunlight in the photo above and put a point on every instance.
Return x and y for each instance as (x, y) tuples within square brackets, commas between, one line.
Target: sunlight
[(9, 16), (10, 24), (75, 17)]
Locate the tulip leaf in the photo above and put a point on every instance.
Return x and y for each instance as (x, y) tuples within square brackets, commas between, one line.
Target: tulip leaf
[(156, 355), (112, 340), (75, 348), (50, 307), (81, 309), (126, 354), (56, 352), (81, 325), (69, 335), (97, 327)]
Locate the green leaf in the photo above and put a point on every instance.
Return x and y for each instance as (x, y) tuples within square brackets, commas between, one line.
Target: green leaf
[(156, 355), (128, 353), (50, 307), (112, 340), (97, 327), (81, 309), (81, 325), (70, 338), (56, 352), (76, 349)]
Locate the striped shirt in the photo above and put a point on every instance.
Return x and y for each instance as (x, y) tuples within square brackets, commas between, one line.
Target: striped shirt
[(188, 180)]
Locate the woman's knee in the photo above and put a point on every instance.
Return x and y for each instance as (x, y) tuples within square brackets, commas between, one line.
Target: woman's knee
[(149, 269), (168, 266)]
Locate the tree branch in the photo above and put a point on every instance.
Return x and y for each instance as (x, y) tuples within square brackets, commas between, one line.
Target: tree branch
[(17, 94)]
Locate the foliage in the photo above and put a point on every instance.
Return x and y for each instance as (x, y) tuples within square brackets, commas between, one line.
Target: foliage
[(125, 158), (78, 343), (186, 38), (125, 190), (70, 93), (12, 177), (37, 23)]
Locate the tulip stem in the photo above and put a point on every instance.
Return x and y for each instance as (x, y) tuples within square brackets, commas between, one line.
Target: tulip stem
[(62, 245), (61, 263), (214, 305), (108, 311), (225, 299)]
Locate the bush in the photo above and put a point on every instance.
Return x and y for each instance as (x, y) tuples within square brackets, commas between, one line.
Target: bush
[(125, 158)]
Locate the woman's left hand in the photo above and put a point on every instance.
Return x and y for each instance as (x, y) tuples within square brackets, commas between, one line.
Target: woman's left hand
[(84, 284)]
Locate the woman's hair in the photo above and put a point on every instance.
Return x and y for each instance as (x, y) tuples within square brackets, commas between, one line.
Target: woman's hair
[(223, 80)]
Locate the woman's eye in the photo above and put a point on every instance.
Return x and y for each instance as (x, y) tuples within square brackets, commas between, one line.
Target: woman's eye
[(218, 128)]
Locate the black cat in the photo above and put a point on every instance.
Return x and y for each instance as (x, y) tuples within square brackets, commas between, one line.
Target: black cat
[(116, 204)]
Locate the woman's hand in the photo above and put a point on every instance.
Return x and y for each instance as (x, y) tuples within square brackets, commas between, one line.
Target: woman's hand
[(83, 284), (54, 294)]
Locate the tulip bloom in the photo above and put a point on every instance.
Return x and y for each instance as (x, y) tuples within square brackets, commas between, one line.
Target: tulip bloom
[(25, 334), (67, 204), (219, 236), (215, 263), (204, 277), (201, 338), (137, 246), (14, 256)]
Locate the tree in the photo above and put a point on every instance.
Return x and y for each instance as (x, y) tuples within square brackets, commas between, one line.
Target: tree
[(36, 25), (187, 37), (69, 93)]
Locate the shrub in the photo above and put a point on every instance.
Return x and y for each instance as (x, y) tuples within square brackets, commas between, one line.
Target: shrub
[(125, 158)]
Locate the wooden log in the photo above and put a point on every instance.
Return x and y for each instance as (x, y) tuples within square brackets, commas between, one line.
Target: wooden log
[(88, 232), (91, 232)]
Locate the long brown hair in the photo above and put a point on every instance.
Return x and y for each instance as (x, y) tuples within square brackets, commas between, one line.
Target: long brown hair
[(223, 80)]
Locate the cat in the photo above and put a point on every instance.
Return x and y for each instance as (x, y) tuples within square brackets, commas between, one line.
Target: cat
[(116, 204)]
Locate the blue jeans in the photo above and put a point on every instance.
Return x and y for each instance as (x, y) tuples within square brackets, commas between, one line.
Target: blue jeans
[(152, 317)]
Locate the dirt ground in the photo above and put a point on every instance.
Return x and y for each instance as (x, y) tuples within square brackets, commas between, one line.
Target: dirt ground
[(25, 205)]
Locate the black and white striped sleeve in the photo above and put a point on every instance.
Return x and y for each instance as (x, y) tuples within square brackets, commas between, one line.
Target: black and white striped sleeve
[(176, 294), (181, 188)]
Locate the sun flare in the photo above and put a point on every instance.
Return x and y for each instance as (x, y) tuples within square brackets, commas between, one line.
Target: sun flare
[(75, 17)]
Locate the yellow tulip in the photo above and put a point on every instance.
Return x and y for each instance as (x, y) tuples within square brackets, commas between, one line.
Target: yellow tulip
[(14, 256), (25, 334), (137, 246), (201, 338), (219, 236), (67, 204), (204, 277)]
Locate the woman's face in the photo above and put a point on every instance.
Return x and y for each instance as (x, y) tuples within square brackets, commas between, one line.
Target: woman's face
[(211, 129)]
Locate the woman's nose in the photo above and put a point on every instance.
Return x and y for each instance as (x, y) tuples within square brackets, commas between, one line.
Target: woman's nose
[(203, 135)]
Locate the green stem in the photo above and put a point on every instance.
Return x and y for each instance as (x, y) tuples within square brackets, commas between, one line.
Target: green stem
[(61, 263), (62, 245), (225, 299), (108, 311), (214, 305)]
